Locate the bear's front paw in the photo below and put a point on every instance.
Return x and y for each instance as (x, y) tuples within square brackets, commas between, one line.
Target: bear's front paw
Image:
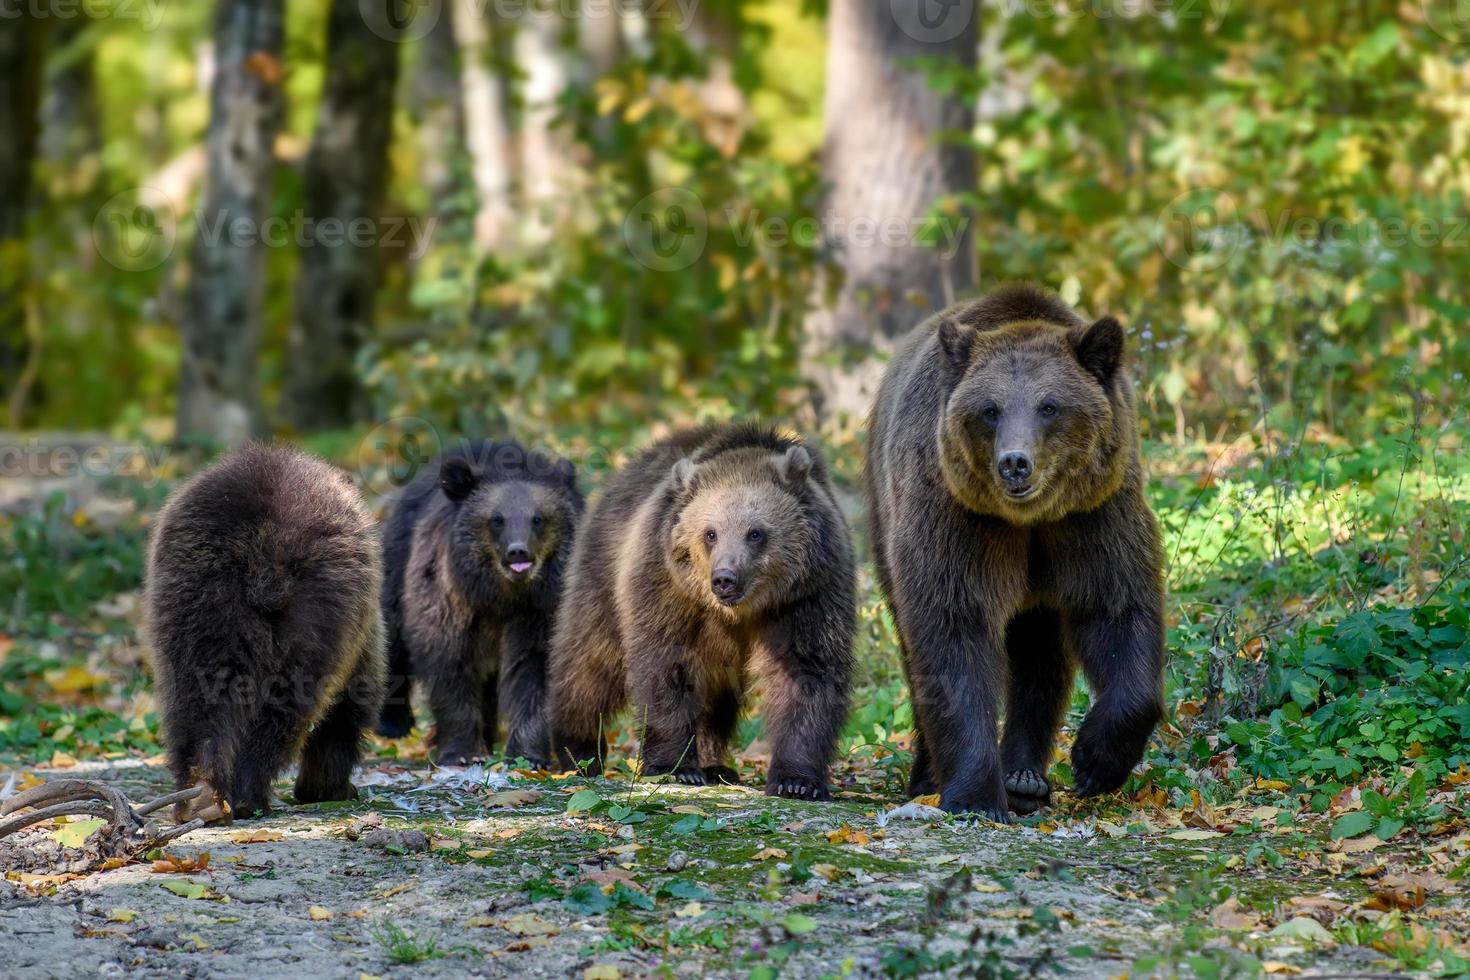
[(688, 775), (798, 788), (1098, 769), (1027, 790), (396, 721), (307, 792), (987, 799), (717, 775), (460, 754)]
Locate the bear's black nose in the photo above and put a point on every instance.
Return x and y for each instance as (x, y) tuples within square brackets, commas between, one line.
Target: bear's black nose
[(725, 584), (1015, 468), (517, 554)]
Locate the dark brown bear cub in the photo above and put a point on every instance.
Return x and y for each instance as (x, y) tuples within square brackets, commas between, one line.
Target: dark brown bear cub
[(263, 615), (714, 551), (475, 552), (1013, 542)]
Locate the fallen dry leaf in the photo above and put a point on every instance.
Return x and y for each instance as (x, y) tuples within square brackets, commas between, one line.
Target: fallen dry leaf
[(257, 836), (171, 864), (768, 853)]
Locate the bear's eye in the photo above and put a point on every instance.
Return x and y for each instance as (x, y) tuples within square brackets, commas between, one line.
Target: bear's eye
[(1048, 409), (755, 535), (991, 414), (497, 522), (710, 536), (537, 520)]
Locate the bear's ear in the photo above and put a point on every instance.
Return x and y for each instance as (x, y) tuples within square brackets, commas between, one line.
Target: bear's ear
[(793, 465), (457, 478), (1100, 349), (684, 475), (958, 342)]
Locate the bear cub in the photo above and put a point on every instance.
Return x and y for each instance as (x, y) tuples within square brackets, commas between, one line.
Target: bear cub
[(1013, 543), (262, 611), (475, 551), (715, 552)]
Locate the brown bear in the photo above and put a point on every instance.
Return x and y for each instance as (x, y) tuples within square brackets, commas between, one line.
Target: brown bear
[(475, 551), (262, 609), (717, 550), (1013, 541)]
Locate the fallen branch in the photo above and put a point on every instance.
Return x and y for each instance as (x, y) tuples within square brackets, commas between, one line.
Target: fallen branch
[(129, 831)]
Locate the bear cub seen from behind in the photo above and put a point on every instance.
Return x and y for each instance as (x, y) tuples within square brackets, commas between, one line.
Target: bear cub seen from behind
[(262, 608), (715, 551), (475, 551), (1013, 541)]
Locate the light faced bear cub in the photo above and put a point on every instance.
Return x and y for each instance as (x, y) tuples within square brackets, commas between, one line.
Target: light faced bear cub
[(716, 552), (263, 617), (475, 550), (1013, 542)]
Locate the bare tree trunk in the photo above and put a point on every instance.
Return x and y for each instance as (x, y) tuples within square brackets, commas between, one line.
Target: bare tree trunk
[(485, 129), (541, 56), (22, 48), (346, 171), (887, 165), (219, 396), (436, 104)]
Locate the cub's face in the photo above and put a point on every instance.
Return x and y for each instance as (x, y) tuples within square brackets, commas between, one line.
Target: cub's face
[(741, 533), (1029, 430), (512, 526)]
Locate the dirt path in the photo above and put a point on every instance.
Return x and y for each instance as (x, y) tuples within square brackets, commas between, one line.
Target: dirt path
[(500, 880)]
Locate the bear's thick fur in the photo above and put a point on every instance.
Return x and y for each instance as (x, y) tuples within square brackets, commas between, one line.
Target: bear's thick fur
[(1013, 542), (475, 551), (716, 550), (262, 608)]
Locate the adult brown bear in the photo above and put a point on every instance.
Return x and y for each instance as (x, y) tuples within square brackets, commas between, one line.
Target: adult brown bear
[(1013, 541), (716, 550)]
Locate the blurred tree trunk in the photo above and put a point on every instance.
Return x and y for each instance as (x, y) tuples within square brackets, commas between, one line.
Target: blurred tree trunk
[(22, 50), (436, 104), (219, 397), (485, 128), (887, 165), (542, 57), (346, 172), (71, 132)]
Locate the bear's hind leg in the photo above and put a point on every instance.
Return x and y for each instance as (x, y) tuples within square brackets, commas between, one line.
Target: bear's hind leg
[(396, 718), (666, 706), (1039, 687), (332, 750), (716, 728), (922, 781), (1122, 656)]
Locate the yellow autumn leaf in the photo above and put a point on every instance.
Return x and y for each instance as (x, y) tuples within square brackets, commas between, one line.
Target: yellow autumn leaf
[(256, 836), (767, 853), (319, 914)]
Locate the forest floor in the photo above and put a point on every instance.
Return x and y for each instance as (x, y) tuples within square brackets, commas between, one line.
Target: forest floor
[(555, 876), (1209, 865)]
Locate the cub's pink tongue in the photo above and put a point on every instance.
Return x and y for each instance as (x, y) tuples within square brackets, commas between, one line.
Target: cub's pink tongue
[(520, 567)]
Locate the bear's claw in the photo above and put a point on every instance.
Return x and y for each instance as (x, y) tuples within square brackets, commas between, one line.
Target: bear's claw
[(718, 775), (799, 789)]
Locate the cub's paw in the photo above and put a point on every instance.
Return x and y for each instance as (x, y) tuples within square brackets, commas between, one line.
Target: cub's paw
[(207, 805), (395, 722), (460, 755), (988, 801), (798, 788), (1027, 790), (687, 775), (310, 792), (1097, 770), (717, 775)]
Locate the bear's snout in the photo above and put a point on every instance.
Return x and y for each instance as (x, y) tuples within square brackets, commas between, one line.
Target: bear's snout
[(725, 584), (1016, 469)]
